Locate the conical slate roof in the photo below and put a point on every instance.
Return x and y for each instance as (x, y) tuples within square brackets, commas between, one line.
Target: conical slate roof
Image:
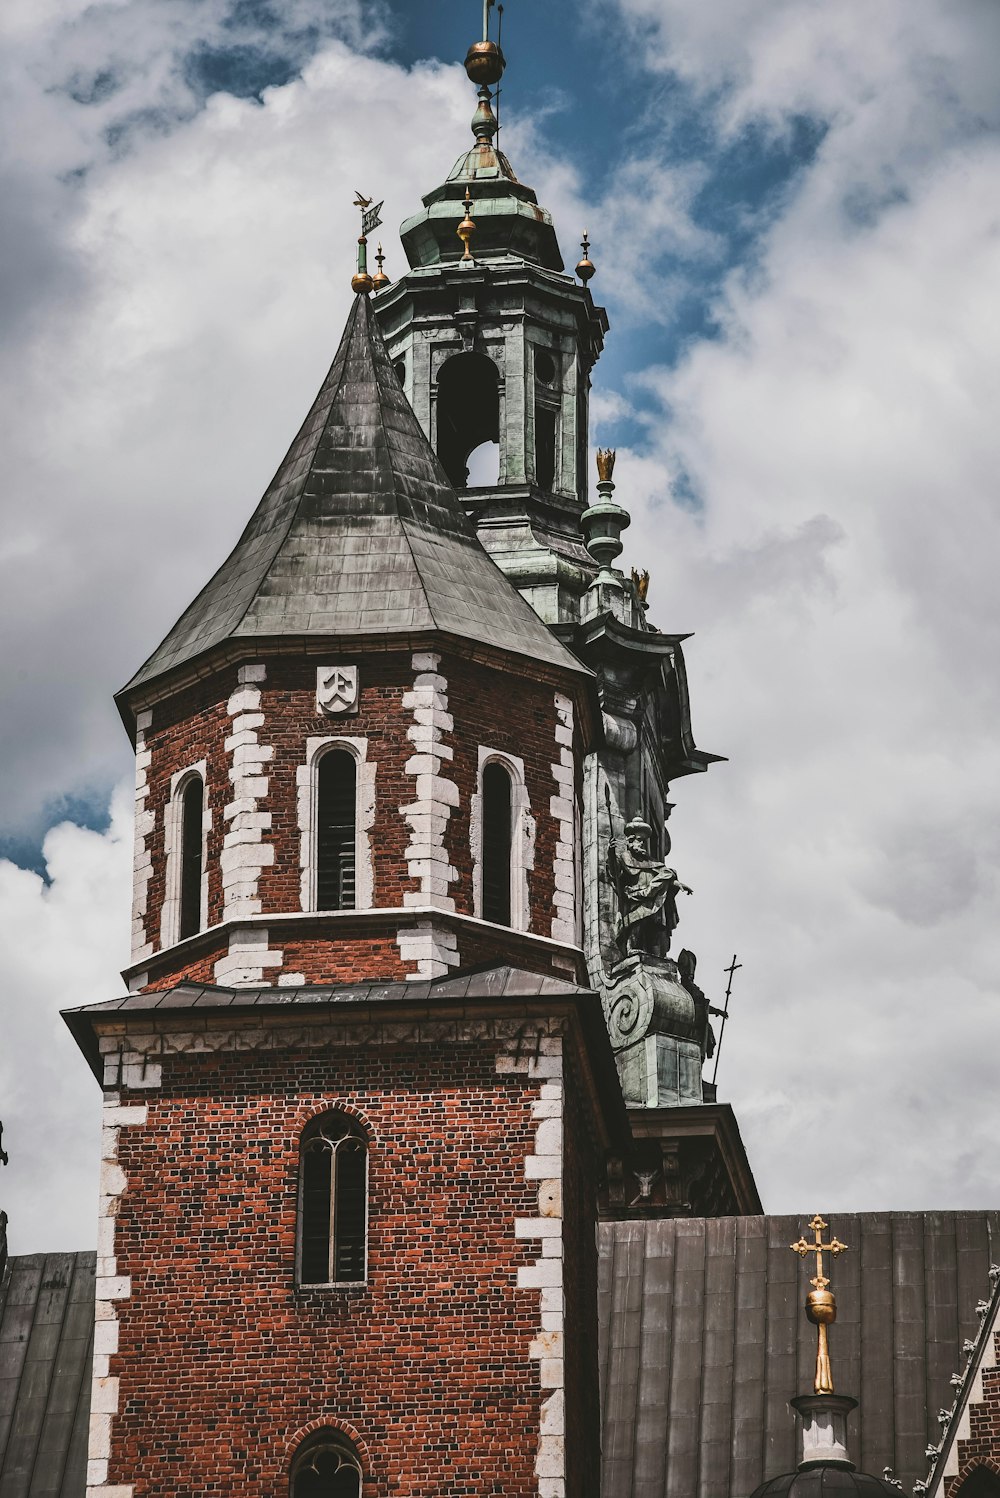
[(359, 533)]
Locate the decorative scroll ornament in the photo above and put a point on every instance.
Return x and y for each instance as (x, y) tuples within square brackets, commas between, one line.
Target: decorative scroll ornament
[(337, 690), (821, 1304)]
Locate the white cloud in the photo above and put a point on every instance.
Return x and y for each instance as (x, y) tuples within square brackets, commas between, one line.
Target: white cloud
[(842, 437), (65, 941), (172, 314)]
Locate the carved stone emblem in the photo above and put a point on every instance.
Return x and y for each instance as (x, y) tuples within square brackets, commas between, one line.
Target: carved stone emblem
[(337, 689)]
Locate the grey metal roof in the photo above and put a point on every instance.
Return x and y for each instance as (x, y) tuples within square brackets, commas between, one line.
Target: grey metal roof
[(46, 1346), (704, 1340), (359, 533), (496, 982)]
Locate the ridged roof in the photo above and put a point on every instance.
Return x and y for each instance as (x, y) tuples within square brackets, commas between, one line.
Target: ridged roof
[(359, 533), (46, 1352), (704, 1341)]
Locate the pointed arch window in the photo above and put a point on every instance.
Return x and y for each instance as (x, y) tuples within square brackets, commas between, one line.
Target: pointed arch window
[(502, 837), (192, 819), (336, 831), (498, 805), (333, 1202), (327, 1466)]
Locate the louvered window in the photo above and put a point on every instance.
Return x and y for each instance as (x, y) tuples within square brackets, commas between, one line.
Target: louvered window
[(192, 818), (327, 1466), (335, 833), (334, 1202), (497, 807)]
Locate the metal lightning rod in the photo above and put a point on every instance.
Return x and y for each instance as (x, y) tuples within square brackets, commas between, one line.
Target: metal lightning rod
[(723, 1013), (499, 89)]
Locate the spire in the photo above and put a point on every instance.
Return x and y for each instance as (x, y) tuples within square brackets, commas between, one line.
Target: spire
[(509, 218), (359, 534)]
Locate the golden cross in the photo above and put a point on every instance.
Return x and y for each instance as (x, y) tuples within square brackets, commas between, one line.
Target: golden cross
[(819, 1248)]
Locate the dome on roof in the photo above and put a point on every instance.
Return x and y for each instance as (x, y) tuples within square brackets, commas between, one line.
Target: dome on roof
[(824, 1480)]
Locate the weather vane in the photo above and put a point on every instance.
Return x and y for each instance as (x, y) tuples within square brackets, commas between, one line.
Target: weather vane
[(821, 1304), (362, 282)]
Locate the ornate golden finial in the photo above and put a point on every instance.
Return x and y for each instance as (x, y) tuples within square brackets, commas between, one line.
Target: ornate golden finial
[(640, 582), (466, 228), (361, 281), (380, 279), (821, 1305), (585, 267), (606, 464)]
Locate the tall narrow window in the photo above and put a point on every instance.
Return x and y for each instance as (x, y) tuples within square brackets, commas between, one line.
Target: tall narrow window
[(497, 824), (545, 447), (334, 1202), (192, 819), (335, 831), (326, 1466)]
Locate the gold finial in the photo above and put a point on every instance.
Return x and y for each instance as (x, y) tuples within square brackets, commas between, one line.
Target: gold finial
[(380, 279), (466, 228), (821, 1305), (585, 267), (606, 464), (361, 281), (640, 582)]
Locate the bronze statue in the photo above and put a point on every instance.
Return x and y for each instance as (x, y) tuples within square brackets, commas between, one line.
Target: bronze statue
[(647, 892)]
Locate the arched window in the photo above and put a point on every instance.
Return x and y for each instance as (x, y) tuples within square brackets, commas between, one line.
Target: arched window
[(981, 1482), (192, 813), (497, 829), (336, 831), (333, 1202), (468, 412), (326, 1466)]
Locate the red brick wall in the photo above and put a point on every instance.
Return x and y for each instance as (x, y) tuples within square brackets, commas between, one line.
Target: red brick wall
[(222, 1359), (505, 711)]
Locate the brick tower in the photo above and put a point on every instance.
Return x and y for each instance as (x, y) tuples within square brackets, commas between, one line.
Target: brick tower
[(358, 1101), (362, 1106)]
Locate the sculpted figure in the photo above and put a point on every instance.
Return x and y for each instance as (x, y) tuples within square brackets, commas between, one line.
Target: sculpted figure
[(647, 892)]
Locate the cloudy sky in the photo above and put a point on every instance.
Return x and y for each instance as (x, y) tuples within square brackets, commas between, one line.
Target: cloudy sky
[(794, 211)]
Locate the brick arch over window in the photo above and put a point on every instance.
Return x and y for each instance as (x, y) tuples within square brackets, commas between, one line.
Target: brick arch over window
[(979, 1481), (333, 1201), (326, 1465)]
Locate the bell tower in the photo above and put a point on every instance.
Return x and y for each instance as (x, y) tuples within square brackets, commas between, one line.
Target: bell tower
[(495, 345)]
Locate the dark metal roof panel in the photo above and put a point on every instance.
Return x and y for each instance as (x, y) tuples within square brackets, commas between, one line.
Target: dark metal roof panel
[(46, 1347), (704, 1341), (360, 532)]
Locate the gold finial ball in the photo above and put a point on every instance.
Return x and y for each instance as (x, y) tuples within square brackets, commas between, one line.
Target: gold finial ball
[(485, 63), (586, 269), (361, 283), (821, 1307)]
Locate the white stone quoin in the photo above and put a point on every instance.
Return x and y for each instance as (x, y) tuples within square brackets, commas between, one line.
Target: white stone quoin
[(111, 1287), (428, 815), (545, 1166), (244, 851)]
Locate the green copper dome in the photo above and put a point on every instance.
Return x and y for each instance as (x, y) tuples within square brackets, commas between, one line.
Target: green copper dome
[(508, 217)]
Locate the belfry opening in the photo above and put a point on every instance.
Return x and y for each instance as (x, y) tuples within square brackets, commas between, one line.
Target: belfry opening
[(468, 418)]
